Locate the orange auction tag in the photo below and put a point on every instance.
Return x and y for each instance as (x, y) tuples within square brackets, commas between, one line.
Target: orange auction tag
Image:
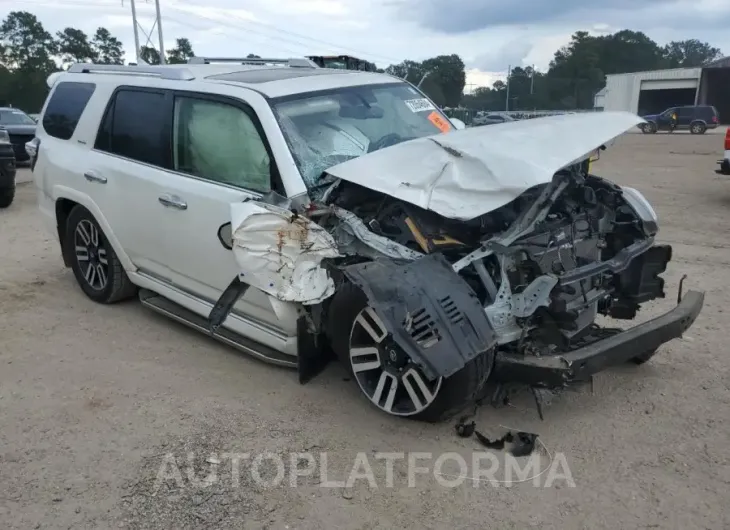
[(442, 124)]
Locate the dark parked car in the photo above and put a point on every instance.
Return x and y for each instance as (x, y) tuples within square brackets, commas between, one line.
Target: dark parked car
[(7, 170), (21, 129), (696, 118)]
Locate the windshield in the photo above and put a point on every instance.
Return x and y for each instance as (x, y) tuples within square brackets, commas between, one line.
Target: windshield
[(15, 117), (324, 129)]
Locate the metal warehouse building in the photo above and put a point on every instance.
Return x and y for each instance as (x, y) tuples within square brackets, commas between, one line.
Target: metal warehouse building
[(655, 91)]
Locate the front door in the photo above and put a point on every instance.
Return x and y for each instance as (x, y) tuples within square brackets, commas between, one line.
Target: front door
[(684, 117), (219, 157)]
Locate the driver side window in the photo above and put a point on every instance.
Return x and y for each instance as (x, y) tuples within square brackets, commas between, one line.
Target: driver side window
[(219, 142)]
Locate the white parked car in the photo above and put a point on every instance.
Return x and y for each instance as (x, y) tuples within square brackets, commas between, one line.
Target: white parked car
[(286, 209)]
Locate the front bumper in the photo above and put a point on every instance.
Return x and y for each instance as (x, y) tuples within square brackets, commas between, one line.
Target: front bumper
[(7, 167), (558, 370)]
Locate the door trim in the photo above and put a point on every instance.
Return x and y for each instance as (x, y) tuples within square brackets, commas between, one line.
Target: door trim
[(236, 322)]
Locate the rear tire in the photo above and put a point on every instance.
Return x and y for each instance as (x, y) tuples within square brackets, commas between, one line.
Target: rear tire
[(448, 395), (697, 128), (7, 195), (649, 128), (97, 268)]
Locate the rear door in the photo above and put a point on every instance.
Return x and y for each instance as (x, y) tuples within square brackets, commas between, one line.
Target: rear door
[(125, 170)]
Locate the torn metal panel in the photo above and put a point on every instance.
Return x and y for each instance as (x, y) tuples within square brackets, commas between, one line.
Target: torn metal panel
[(471, 172), (353, 228), (431, 312), (280, 252)]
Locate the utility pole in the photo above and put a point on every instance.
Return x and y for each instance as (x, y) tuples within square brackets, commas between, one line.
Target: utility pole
[(532, 80), (509, 71), (136, 32), (159, 32), (136, 26)]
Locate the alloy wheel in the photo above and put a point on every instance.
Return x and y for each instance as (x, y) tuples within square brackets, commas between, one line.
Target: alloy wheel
[(384, 372), (91, 255)]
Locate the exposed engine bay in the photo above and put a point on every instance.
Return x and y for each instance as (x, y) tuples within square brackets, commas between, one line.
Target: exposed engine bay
[(543, 266)]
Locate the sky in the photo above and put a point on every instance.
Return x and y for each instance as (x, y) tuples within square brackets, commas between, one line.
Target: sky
[(489, 35)]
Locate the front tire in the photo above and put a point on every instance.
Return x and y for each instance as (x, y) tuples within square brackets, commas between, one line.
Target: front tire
[(7, 195), (386, 375), (96, 267)]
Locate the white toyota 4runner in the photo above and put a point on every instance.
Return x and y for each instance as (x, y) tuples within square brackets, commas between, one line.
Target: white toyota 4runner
[(292, 211)]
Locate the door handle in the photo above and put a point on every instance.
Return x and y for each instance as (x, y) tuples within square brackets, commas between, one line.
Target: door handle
[(92, 176), (173, 201)]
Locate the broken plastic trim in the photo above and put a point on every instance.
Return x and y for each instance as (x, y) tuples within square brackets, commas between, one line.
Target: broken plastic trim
[(430, 311)]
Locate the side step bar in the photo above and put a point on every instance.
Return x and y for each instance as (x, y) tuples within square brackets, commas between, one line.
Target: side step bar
[(184, 316)]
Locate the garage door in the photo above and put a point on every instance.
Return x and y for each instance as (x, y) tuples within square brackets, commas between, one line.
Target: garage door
[(669, 84)]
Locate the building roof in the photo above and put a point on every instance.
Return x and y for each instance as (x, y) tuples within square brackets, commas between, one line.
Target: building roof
[(724, 62)]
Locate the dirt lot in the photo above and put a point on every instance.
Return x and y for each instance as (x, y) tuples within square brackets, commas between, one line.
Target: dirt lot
[(92, 398)]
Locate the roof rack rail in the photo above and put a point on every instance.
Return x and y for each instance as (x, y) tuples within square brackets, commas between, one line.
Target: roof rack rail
[(179, 73), (294, 62)]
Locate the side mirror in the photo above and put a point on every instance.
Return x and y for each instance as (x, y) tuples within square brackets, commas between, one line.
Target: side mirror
[(225, 236), (457, 123)]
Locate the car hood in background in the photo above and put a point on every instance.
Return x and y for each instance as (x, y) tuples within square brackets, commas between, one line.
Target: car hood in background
[(19, 129), (468, 173)]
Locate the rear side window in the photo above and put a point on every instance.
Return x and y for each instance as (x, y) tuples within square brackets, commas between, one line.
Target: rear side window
[(64, 109), (686, 112), (135, 127), (707, 113)]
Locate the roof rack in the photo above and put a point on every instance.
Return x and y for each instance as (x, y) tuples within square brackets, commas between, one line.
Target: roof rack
[(294, 62), (179, 73)]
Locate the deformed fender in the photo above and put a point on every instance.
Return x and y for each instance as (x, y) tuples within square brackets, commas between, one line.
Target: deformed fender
[(431, 312)]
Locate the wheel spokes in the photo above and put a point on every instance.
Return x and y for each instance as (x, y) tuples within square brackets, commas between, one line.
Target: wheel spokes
[(90, 275), (391, 383), (83, 233), (101, 275), (82, 253), (372, 325)]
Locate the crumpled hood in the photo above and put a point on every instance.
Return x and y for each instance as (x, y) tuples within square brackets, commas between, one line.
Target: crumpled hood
[(467, 173)]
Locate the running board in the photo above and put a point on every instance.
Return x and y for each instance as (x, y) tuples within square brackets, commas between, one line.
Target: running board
[(193, 320)]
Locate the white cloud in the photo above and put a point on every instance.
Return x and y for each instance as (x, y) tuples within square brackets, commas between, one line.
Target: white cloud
[(377, 31)]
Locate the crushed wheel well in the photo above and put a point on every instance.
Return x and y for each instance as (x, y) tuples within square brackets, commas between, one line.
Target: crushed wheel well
[(63, 209)]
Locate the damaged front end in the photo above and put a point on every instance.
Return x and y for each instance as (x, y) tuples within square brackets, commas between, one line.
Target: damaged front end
[(518, 291)]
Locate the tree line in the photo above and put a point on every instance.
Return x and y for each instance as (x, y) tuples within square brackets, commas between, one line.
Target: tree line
[(579, 69), (29, 53)]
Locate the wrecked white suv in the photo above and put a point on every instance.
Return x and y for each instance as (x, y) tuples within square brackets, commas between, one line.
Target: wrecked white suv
[(292, 211)]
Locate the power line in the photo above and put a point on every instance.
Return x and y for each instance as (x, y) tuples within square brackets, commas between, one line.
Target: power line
[(297, 40), (287, 32)]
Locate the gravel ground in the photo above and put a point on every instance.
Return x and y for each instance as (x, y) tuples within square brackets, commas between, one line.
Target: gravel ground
[(93, 399)]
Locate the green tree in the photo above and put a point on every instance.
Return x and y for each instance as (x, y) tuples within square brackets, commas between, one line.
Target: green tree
[(74, 47), (26, 45), (181, 52), (447, 73), (149, 55), (27, 57), (690, 53), (107, 48)]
